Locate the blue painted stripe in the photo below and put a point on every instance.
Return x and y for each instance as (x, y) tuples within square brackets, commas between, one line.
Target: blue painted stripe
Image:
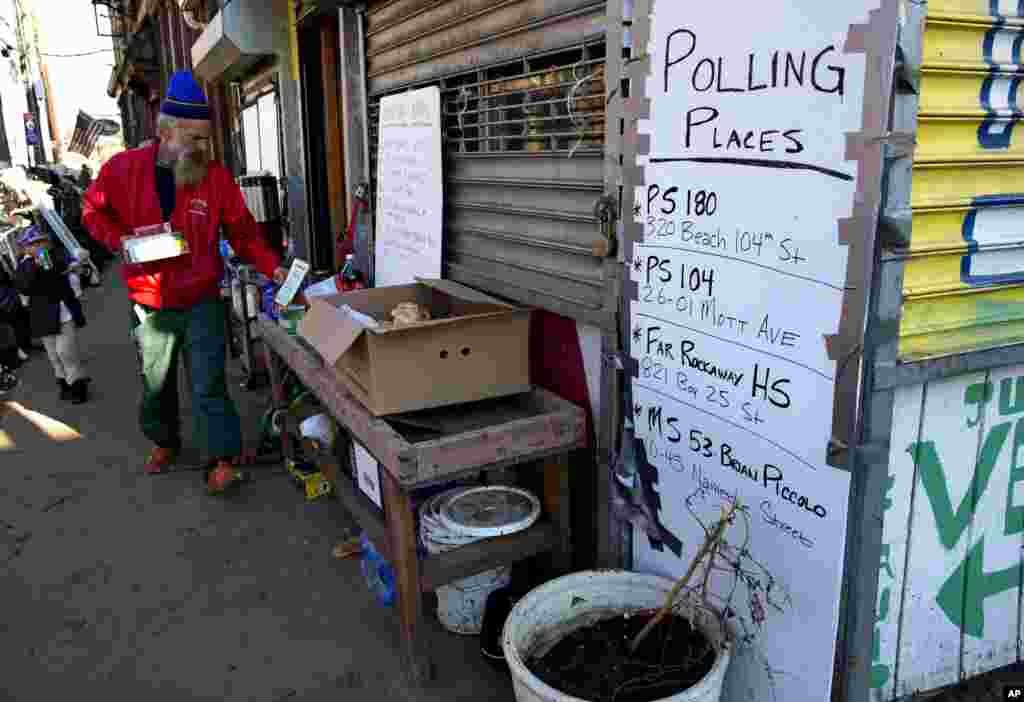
[(1000, 200), (993, 7), (987, 137), (986, 94), (988, 44), (968, 233), (1016, 48), (970, 219)]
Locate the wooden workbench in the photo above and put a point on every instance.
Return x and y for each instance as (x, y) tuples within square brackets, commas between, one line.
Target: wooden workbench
[(434, 446)]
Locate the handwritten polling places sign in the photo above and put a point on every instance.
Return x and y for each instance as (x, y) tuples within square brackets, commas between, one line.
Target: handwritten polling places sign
[(409, 190), (740, 276)]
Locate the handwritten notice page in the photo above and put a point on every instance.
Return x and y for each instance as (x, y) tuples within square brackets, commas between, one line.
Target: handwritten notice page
[(740, 276), (409, 189)]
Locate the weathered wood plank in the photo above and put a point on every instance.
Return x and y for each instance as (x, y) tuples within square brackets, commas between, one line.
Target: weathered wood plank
[(908, 406), (929, 655), (610, 534), (557, 504), (520, 439), (483, 555), (402, 530), (992, 586), (333, 130), (548, 425)]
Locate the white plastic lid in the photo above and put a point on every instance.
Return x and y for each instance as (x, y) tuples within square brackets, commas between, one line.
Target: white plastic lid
[(489, 511)]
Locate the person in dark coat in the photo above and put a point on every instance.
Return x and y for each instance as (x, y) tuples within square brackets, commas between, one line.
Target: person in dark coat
[(55, 312), (14, 314), (9, 359)]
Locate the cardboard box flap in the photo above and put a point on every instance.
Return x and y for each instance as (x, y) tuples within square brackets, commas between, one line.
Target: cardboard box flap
[(429, 323), (450, 287), (329, 328)]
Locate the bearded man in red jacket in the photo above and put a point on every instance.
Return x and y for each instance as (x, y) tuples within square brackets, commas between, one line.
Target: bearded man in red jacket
[(176, 301)]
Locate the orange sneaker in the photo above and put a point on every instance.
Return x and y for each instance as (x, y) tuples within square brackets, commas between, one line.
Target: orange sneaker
[(160, 461), (223, 476)]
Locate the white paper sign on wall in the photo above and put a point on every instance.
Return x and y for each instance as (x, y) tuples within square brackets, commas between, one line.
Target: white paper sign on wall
[(740, 275), (367, 473), (409, 188)]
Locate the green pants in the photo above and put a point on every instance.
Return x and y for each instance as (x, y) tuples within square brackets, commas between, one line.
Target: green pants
[(161, 335)]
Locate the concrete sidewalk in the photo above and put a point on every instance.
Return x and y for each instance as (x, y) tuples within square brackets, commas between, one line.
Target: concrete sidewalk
[(118, 586)]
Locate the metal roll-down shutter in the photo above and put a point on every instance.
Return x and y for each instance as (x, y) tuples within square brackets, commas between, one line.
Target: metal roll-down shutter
[(964, 277), (523, 97)]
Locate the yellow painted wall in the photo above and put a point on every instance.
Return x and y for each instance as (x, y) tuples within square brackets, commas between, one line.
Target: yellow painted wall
[(964, 280)]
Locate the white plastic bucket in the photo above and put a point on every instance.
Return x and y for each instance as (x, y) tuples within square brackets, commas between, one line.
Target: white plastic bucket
[(559, 607), (460, 606)]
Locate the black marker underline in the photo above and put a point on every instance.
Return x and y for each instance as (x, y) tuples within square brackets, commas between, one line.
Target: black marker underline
[(758, 163), (733, 424), (731, 341), (840, 288)]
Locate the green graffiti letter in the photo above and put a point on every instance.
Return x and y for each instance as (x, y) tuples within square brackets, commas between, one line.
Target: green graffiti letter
[(977, 394), (879, 673), (951, 526), (1009, 401), (1015, 513), (884, 563)]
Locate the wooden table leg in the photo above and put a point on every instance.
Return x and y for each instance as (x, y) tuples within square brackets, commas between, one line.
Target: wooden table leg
[(277, 389), (401, 527), (558, 505), (277, 394)]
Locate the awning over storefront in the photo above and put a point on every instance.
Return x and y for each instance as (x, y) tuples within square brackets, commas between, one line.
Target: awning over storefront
[(241, 35)]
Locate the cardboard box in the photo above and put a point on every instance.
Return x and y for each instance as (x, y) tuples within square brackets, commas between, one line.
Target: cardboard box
[(473, 348)]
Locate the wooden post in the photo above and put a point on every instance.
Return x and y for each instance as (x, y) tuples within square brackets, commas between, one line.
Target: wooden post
[(402, 532), (558, 506), (333, 131), (353, 109)]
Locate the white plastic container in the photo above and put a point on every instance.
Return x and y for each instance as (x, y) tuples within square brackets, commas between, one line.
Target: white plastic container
[(460, 606), (448, 521), (559, 607)]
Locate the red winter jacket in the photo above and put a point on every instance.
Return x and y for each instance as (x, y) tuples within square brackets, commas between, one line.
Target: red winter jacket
[(124, 197)]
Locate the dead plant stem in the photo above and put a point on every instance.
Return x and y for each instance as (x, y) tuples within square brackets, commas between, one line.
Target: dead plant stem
[(709, 545)]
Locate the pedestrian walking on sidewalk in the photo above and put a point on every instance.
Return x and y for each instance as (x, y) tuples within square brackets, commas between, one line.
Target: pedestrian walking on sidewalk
[(45, 275), (177, 307)]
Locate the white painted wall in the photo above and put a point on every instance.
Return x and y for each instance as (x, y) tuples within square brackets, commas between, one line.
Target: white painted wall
[(12, 91)]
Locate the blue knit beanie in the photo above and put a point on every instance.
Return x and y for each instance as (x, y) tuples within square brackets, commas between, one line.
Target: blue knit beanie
[(185, 99)]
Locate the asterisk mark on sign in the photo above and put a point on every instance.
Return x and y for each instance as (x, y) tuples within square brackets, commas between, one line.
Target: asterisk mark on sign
[(637, 409), (637, 334), (638, 264)]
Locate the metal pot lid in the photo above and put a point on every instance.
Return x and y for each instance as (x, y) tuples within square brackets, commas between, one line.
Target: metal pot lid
[(429, 510), (493, 510)]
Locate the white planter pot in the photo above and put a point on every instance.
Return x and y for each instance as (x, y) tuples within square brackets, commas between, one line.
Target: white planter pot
[(556, 609)]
